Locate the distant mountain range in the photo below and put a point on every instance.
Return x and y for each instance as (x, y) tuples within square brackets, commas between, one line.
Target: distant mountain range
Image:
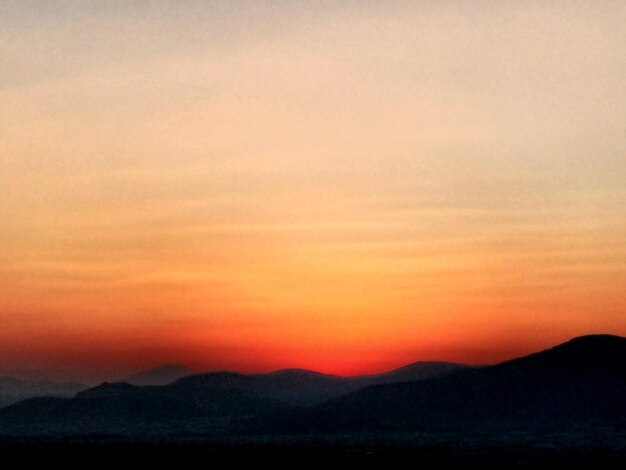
[(13, 390), (579, 384), (161, 375), (203, 402)]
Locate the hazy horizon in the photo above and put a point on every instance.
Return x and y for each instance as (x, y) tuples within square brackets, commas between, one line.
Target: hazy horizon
[(93, 377), (345, 187)]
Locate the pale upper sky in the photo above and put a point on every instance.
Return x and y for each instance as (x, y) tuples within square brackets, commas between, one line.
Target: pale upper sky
[(344, 186)]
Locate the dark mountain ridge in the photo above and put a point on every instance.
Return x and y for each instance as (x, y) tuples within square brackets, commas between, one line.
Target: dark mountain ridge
[(581, 381)]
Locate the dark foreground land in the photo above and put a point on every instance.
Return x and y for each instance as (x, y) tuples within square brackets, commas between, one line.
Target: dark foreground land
[(400, 451)]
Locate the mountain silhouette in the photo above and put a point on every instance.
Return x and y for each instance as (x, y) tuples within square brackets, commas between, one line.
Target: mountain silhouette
[(413, 372), (161, 375), (580, 382), (197, 402), (13, 390)]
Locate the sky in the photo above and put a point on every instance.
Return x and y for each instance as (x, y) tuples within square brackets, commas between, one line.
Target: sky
[(339, 186)]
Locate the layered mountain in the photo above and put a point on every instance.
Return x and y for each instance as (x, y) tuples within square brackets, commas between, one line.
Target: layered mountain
[(13, 390), (579, 383), (161, 375), (202, 402), (412, 372)]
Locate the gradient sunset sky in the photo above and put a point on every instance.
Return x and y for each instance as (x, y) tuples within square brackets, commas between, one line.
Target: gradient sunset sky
[(339, 186)]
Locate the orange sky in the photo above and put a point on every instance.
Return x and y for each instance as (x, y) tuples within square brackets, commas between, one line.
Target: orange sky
[(346, 187)]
